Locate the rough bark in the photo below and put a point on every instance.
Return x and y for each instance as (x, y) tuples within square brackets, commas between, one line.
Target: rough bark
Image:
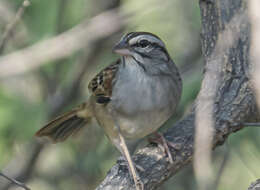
[(225, 44)]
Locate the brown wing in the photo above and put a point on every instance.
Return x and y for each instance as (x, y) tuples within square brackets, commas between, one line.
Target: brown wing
[(101, 85)]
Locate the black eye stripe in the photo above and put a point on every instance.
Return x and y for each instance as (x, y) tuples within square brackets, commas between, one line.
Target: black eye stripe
[(146, 55), (145, 43), (142, 43), (132, 35), (157, 46)]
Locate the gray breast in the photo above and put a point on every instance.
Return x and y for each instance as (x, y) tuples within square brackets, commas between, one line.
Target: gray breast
[(141, 103)]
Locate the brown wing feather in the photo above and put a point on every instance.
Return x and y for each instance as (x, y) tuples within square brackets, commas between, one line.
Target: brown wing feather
[(101, 85), (69, 123)]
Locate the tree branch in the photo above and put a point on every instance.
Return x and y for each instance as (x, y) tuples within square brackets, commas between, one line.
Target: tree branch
[(62, 45), (22, 185), (225, 47), (11, 26)]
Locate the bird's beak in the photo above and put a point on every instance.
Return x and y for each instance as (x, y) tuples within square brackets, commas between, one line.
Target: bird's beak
[(122, 48)]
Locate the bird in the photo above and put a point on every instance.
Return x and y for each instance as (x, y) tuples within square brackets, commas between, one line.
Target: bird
[(130, 98)]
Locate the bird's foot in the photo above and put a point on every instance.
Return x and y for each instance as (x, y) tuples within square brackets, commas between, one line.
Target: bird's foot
[(163, 144), (122, 161)]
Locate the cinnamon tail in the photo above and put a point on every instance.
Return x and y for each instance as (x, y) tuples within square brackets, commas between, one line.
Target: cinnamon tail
[(59, 129)]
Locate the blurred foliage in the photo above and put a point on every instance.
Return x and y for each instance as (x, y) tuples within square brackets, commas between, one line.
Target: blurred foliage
[(82, 162)]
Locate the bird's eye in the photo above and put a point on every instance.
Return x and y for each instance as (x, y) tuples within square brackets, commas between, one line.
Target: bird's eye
[(143, 43)]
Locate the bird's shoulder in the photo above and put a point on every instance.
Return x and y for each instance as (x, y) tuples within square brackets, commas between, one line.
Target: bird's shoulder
[(101, 85)]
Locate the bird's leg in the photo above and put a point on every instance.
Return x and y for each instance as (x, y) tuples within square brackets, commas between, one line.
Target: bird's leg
[(163, 144), (137, 180)]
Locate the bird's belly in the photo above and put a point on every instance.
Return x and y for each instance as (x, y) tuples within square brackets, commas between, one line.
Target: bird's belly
[(141, 125), (140, 111)]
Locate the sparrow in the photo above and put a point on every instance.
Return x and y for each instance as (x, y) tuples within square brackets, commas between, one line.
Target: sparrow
[(130, 99)]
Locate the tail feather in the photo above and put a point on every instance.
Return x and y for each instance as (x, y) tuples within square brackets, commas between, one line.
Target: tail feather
[(64, 126), (68, 128)]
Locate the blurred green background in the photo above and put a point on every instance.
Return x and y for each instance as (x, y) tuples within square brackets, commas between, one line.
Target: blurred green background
[(29, 100)]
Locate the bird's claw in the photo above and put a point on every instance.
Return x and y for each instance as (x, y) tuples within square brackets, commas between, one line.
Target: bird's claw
[(121, 160)]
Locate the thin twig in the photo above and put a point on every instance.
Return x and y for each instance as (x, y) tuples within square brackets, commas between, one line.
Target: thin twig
[(60, 17), (63, 45), (221, 169), (257, 124), (20, 184), (11, 26)]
